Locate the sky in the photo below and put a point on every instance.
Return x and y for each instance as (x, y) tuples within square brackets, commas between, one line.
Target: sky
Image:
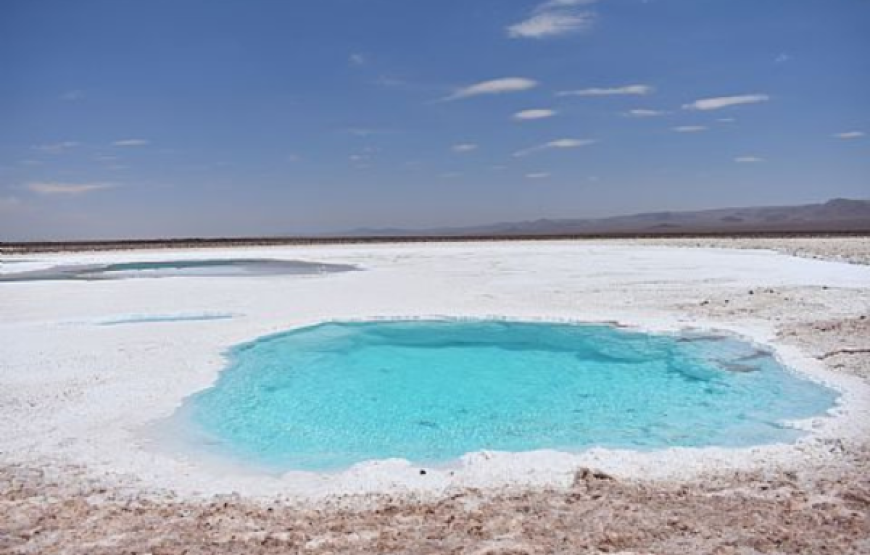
[(181, 118)]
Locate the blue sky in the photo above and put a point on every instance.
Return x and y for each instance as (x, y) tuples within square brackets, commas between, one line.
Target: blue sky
[(125, 118)]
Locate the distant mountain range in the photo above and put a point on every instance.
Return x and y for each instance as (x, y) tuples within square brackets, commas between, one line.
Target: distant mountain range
[(836, 215)]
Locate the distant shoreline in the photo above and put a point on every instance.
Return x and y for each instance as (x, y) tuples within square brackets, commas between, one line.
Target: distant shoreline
[(28, 247)]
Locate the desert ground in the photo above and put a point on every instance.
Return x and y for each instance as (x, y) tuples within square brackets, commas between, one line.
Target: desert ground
[(82, 471)]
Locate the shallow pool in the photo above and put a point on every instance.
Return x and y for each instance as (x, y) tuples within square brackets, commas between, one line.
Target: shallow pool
[(329, 396), (177, 268)]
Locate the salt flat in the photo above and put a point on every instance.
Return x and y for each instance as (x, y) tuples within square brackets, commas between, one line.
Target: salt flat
[(77, 394)]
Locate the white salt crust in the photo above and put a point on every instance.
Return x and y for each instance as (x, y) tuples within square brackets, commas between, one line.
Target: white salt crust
[(77, 394)]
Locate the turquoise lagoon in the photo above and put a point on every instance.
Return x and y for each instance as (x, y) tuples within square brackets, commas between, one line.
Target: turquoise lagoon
[(178, 268), (328, 396)]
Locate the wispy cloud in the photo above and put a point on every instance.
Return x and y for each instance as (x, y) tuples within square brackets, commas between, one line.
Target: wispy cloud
[(557, 144), (72, 96), (782, 58), (495, 86), (132, 142), (719, 102), (551, 24), (689, 128), (610, 91), (68, 189), (556, 4), (357, 59), (644, 113), (57, 148), (554, 18), (749, 159), (537, 175), (390, 81), (464, 147), (850, 135), (538, 113), (362, 159)]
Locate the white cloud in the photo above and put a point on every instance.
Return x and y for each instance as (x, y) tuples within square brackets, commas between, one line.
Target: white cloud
[(362, 159), (556, 4), (537, 175), (367, 132), (726, 120), (495, 86), (689, 128), (782, 58), (357, 59), (748, 159), (720, 102), (557, 144), (57, 148), (465, 147), (569, 143), (554, 18), (132, 142), (550, 24), (538, 113), (72, 189), (644, 113), (850, 135), (611, 91)]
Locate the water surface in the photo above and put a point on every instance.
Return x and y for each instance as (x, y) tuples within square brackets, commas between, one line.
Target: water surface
[(329, 396), (178, 268)]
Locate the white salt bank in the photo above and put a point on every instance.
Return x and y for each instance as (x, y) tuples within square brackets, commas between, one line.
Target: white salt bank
[(79, 392)]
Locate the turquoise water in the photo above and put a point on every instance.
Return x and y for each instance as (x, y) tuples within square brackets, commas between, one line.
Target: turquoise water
[(178, 268), (329, 396)]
